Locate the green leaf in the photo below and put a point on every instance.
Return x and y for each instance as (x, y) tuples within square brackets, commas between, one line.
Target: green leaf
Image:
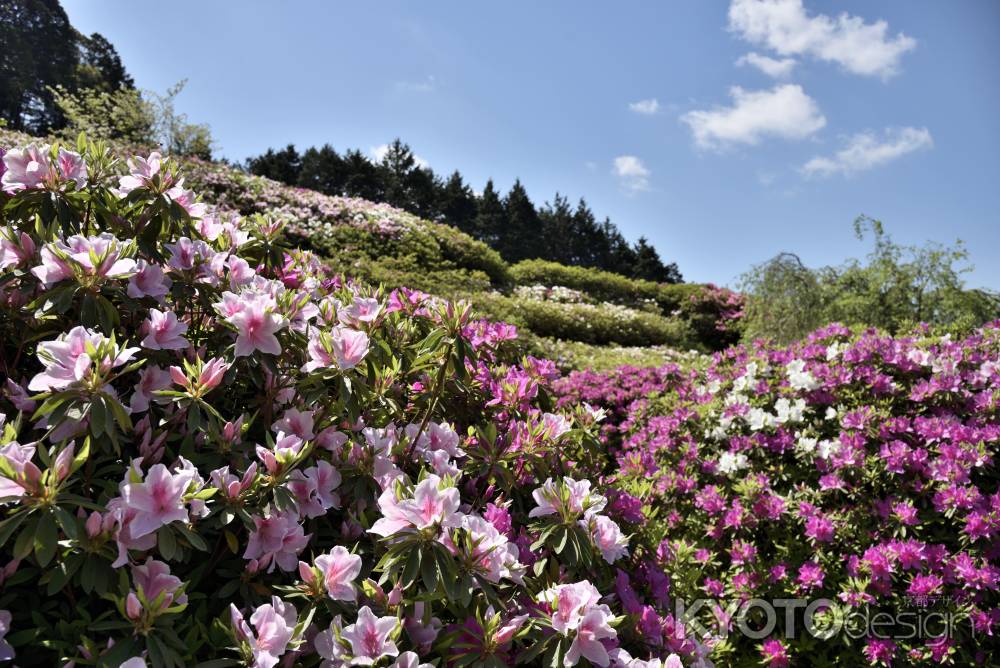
[(166, 542), (25, 541), (46, 540), (411, 569), (10, 525), (66, 522), (429, 572)]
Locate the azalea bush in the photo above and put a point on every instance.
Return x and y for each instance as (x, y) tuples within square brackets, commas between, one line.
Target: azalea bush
[(217, 451), (856, 470)]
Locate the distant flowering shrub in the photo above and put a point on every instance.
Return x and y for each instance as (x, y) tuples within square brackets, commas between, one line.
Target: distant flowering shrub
[(215, 451), (860, 469)]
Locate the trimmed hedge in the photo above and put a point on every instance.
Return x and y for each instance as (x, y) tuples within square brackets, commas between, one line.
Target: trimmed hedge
[(588, 323)]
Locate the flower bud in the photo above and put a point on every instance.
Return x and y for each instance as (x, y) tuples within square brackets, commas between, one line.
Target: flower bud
[(133, 608)]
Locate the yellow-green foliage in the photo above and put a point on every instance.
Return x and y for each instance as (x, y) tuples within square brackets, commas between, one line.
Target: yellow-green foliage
[(590, 323)]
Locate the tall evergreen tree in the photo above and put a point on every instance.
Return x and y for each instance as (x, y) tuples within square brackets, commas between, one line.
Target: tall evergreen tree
[(394, 169), (522, 237), (322, 170), (100, 65), (491, 217), (363, 178), (457, 204), (39, 51), (557, 232)]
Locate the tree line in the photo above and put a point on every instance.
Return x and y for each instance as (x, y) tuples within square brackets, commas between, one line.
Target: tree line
[(510, 223)]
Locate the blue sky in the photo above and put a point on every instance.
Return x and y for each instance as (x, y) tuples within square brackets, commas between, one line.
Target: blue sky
[(774, 123)]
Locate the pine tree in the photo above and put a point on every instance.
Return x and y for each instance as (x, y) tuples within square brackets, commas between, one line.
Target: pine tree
[(284, 165), (457, 204), (394, 168), (322, 170), (491, 218), (363, 178), (557, 231), (522, 237)]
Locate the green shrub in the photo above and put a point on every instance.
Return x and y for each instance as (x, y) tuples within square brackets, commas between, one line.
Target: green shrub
[(589, 323)]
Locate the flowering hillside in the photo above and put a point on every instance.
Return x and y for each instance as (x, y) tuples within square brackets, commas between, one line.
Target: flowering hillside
[(377, 243), (216, 450), (854, 471)]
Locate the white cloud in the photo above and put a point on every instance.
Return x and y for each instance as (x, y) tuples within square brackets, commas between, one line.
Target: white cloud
[(866, 151), (634, 175), (786, 28), (772, 67), (427, 85), (646, 107), (784, 111), (378, 152)]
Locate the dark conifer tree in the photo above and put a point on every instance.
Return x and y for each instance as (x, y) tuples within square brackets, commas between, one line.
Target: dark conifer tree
[(457, 204), (100, 65), (522, 238), (491, 217), (322, 170), (363, 178), (284, 165)]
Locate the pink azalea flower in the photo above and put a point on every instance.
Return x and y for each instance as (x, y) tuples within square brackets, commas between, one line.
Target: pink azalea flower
[(142, 172), (592, 629), (66, 360), (158, 500), (148, 281), (153, 578), (339, 569), (90, 258), (274, 623), (165, 331), (362, 310), (569, 603), (299, 423), (341, 348), (31, 168), (151, 379), (432, 505), (568, 498), (276, 540), (607, 537), (369, 638), (410, 660), (27, 476), (393, 519), (256, 325), (494, 556), (26, 168), (230, 485), (576, 611), (15, 248), (187, 200), (349, 346), (313, 489)]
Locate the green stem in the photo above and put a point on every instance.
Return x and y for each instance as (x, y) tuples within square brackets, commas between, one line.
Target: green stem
[(438, 389)]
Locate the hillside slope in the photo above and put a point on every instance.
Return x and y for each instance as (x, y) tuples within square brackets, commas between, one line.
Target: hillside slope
[(578, 316)]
